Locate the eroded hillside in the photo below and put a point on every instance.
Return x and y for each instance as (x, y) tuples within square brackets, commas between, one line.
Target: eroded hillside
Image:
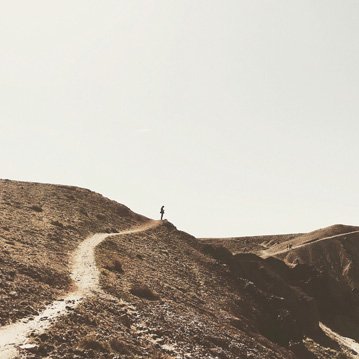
[(321, 267)]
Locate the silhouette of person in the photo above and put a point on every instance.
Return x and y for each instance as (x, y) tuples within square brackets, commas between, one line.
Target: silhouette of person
[(162, 212)]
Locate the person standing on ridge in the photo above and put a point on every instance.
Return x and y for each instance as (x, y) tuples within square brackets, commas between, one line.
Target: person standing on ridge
[(162, 212)]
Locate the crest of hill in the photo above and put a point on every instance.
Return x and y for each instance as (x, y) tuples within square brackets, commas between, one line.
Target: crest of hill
[(249, 244), (269, 245), (337, 231), (334, 250)]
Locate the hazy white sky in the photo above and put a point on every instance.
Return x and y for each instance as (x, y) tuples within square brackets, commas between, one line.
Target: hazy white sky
[(241, 117)]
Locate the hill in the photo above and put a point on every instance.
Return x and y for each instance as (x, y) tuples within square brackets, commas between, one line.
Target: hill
[(322, 264), (40, 226), (250, 244), (158, 292)]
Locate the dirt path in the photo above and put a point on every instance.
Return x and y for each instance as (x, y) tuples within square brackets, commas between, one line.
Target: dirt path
[(267, 253), (85, 275)]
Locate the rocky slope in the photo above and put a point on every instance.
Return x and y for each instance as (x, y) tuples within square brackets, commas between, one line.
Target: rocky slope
[(40, 225), (164, 293), (320, 267)]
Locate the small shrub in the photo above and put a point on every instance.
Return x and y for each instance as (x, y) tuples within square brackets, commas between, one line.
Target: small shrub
[(101, 216), (115, 266), (83, 211), (341, 356), (91, 342), (36, 208), (119, 346), (143, 291), (57, 224)]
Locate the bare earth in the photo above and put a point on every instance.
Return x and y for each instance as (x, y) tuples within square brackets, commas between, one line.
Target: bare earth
[(84, 277)]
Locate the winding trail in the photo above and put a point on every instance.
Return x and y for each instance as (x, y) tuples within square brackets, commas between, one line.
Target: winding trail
[(85, 275), (267, 252)]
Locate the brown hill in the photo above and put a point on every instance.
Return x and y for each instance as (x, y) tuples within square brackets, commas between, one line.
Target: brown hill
[(334, 253), (250, 244), (322, 264), (163, 293)]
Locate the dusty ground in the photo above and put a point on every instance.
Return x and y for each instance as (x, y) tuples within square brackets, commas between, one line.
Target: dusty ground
[(165, 294)]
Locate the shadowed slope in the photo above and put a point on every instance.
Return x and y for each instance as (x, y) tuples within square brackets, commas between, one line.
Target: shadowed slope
[(323, 265)]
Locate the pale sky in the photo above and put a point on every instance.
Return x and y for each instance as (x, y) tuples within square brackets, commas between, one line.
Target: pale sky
[(241, 117)]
